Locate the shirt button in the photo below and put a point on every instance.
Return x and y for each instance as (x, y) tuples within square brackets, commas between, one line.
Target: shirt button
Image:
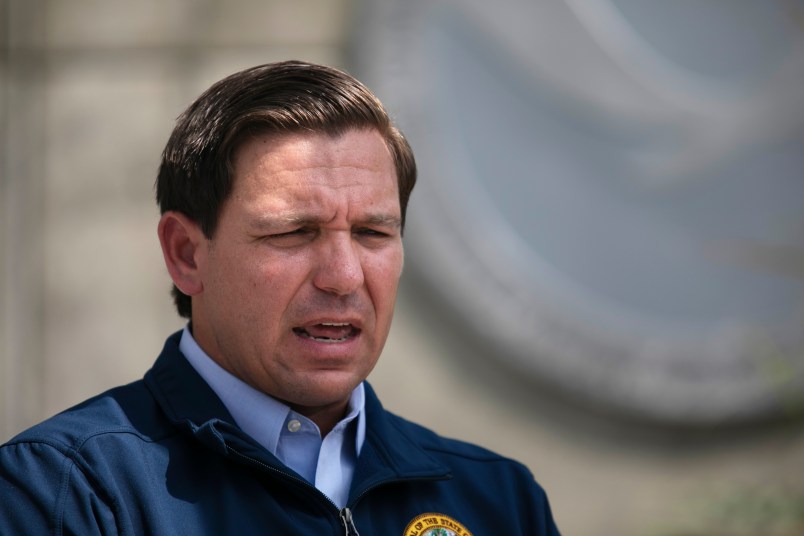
[(294, 425)]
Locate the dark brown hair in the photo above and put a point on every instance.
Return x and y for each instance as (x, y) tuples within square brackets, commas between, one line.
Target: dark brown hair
[(195, 176)]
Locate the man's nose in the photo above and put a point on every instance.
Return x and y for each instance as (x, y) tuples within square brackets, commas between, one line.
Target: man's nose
[(339, 270)]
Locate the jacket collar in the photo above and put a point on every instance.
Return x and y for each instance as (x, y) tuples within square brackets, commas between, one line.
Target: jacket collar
[(184, 396), (186, 399), (389, 453)]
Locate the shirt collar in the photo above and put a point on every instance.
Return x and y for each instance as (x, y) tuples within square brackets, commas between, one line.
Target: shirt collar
[(257, 414)]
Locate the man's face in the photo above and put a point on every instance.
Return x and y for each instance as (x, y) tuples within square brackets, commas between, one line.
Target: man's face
[(300, 278)]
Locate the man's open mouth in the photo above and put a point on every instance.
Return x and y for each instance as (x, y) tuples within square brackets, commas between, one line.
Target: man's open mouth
[(328, 332)]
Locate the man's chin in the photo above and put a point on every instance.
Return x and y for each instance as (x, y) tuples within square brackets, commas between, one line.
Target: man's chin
[(334, 389)]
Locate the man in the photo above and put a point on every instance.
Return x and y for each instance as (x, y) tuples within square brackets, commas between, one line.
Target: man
[(283, 192)]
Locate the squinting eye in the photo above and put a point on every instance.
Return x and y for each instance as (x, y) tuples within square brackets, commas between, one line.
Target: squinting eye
[(371, 232), (296, 237), (294, 232)]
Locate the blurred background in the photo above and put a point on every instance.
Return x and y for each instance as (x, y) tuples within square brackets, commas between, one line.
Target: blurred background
[(605, 252)]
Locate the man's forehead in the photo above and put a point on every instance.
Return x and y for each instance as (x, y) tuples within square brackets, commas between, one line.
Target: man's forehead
[(295, 150), (309, 165)]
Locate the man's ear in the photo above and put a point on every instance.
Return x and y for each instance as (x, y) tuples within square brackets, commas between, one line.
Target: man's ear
[(182, 241)]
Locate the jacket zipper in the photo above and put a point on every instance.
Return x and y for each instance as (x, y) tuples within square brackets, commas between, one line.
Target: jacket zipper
[(348, 523), (345, 515)]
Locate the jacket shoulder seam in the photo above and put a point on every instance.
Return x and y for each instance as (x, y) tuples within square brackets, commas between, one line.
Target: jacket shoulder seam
[(78, 443), (483, 456), (71, 456)]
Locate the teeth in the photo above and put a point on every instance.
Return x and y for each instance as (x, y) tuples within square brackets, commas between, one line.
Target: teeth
[(323, 339), (339, 328), (328, 340)]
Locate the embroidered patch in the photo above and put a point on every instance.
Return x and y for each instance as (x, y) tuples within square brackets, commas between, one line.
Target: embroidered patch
[(435, 525)]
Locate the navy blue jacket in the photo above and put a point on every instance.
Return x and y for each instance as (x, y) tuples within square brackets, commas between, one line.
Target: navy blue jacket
[(162, 456)]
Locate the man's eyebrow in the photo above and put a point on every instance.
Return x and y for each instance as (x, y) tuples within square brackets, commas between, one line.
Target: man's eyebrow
[(385, 220), (274, 221)]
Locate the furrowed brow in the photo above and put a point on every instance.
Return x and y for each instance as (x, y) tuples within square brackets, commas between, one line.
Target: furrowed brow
[(383, 220), (279, 221)]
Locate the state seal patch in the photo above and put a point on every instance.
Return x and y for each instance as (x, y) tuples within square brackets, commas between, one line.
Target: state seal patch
[(432, 524)]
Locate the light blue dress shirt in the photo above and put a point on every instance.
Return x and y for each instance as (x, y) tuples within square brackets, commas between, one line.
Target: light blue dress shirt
[(327, 463)]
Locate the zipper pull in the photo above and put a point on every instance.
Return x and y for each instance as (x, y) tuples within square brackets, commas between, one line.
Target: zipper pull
[(348, 524)]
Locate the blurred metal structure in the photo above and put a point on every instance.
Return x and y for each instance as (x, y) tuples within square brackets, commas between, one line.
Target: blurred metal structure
[(612, 191)]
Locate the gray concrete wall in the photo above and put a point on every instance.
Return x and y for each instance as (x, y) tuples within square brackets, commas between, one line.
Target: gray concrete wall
[(89, 91)]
